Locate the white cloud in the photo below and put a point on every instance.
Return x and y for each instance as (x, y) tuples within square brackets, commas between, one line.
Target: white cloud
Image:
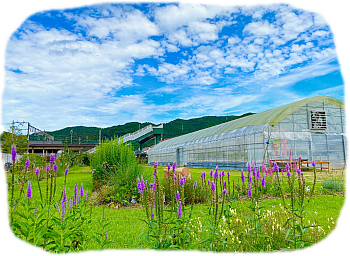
[(261, 28)]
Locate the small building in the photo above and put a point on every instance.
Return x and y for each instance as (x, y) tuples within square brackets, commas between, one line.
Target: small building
[(313, 128)]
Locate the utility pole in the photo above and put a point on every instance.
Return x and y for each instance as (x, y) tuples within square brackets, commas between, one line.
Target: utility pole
[(87, 139), (71, 136), (79, 140), (99, 137)]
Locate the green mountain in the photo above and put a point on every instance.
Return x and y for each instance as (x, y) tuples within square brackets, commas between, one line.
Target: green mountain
[(172, 129)]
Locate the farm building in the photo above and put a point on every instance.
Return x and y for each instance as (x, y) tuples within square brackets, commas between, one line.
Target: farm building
[(313, 128)]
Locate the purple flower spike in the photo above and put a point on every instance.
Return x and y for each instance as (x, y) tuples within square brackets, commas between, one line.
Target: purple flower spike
[(248, 167), (29, 191), (26, 165), (223, 174), (13, 153), (55, 167), (242, 176), (263, 181), (288, 173), (47, 167), (174, 167), (180, 211), (75, 191), (254, 174), (250, 177), (81, 190), (258, 173), (177, 196), (155, 165), (250, 191), (212, 186), (208, 182), (211, 172), (224, 191), (228, 174), (194, 184), (216, 174), (175, 177), (152, 215), (106, 235), (66, 171), (169, 166), (313, 163), (182, 181), (52, 158), (298, 171), (37, 172), (275, 168), (203, 175), (224, 184), (287, 166)]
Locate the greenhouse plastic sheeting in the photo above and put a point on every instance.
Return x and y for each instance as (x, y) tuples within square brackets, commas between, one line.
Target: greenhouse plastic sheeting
[(231, 144)]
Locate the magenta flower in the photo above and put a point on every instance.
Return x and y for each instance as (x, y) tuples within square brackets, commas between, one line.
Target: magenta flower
[(275, 167), (224, 191), (141, 185), (242, 175), (29, 191), (169, 166), (26, 165), (180, 211), (288, 173), (263, 181), (203, 175), (194, 184), (298, 171), (216, 174), (223, 174), (248, 167), (106, 235), (155, 165), (224, 184), (13, 153), (37, 172), (211, 173), (258, 173), (299, 157), (287, 166), (66, 171), (175, 177), (52, 158), (228, 174), (313, 163), (55, 167), (174, 167), (182, 181)]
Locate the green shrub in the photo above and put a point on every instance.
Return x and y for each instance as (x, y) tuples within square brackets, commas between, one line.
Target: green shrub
[(114, 164), (332, 185), (37, 160)]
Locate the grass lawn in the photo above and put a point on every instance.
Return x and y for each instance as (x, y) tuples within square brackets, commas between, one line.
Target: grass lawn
[(126, 223)]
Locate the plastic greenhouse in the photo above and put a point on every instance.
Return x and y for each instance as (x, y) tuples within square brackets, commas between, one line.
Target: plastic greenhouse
[(313, 128)]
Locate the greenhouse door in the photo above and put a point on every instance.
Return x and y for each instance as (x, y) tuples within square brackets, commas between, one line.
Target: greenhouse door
[(179, 156)]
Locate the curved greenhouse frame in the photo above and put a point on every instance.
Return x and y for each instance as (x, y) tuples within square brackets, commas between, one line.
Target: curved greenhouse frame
[(313, 128)]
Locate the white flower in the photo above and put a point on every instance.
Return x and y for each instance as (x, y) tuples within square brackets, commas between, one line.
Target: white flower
[(307, 189)]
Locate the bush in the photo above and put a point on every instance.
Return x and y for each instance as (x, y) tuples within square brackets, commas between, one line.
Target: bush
[(37, 160), (115, 165), (332, 185)]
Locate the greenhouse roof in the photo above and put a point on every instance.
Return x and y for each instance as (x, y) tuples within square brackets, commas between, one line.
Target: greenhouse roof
[(272, 116)]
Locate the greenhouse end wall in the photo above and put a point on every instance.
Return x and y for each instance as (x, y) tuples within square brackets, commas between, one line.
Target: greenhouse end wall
[(233, 149)]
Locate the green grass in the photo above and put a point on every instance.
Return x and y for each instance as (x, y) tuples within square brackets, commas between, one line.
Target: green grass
[(126, 223)]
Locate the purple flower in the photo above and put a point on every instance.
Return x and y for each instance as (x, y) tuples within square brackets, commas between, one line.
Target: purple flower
[(81, 190), (55, 167), (212, 186), (250, 177), (208, 182), (254, 172), (152, 215), (203, 175), (103, 215), (151, 185), (13, 153), (141, 185), (177, 196), (224, 191), (180, 211), (64, 205), (288, 173), (250, 191), (75, 190), (224, 184), (287, 166), (194, 184), (258, 173), (242, 175), (248, 167), (216, 174), (47, 167), (298, 171), (163, 200), (169, 166), (174, 167), (275, 167), (86, 195), (263, 181), (182, 181), (106, 235), (313, 163), (228, 174), (37, 171), (29, 191), (26, 165), (211, 173), (52, 158), (155, 165), (223, 174), (66, 171)]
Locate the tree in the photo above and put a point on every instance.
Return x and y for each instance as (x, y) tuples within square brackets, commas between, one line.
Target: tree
[(14, 137)]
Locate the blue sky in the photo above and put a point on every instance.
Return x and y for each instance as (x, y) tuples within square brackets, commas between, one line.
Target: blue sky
[(109, 64)]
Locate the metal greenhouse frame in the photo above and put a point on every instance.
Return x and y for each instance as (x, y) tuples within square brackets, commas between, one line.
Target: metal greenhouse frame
[(313, 128)]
